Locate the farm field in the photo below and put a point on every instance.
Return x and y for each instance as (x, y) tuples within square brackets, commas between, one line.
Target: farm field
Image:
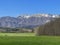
[(13, 39)]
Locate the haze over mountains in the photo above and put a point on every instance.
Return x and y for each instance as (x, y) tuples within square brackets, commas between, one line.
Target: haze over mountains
[(27, 21)]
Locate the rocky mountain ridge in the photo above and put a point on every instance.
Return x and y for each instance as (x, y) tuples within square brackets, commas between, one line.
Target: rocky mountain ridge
[(26, 21)]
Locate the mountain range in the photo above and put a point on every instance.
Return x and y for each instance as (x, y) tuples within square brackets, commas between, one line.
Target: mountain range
[(26, 21)]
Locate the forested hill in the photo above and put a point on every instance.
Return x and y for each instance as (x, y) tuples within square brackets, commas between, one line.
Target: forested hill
[(50, 28)]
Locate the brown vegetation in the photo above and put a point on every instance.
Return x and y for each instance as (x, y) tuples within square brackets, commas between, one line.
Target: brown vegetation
[(51, 28)]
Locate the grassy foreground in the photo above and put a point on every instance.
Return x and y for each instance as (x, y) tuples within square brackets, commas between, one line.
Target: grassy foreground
[(29, 40)]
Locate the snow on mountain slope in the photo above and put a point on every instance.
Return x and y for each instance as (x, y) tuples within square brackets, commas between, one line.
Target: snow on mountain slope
[(27, 20)]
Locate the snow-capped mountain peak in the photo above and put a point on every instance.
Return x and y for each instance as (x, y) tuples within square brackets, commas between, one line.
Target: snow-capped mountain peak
[(40, 15), (26, 16), (27, 20)]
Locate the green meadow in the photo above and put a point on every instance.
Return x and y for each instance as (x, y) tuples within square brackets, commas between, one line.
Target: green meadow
[(17, 34), (27, 39)]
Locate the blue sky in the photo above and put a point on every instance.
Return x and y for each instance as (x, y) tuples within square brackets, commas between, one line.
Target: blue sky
[(16, 7)]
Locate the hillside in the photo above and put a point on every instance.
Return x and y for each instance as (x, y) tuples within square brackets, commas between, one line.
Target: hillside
[(51, 28)]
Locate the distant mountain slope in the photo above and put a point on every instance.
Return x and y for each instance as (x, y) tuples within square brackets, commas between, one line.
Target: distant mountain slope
[(26, 21)]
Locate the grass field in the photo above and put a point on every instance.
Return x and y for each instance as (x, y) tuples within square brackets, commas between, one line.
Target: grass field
[(28, 40), (17, 34)]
